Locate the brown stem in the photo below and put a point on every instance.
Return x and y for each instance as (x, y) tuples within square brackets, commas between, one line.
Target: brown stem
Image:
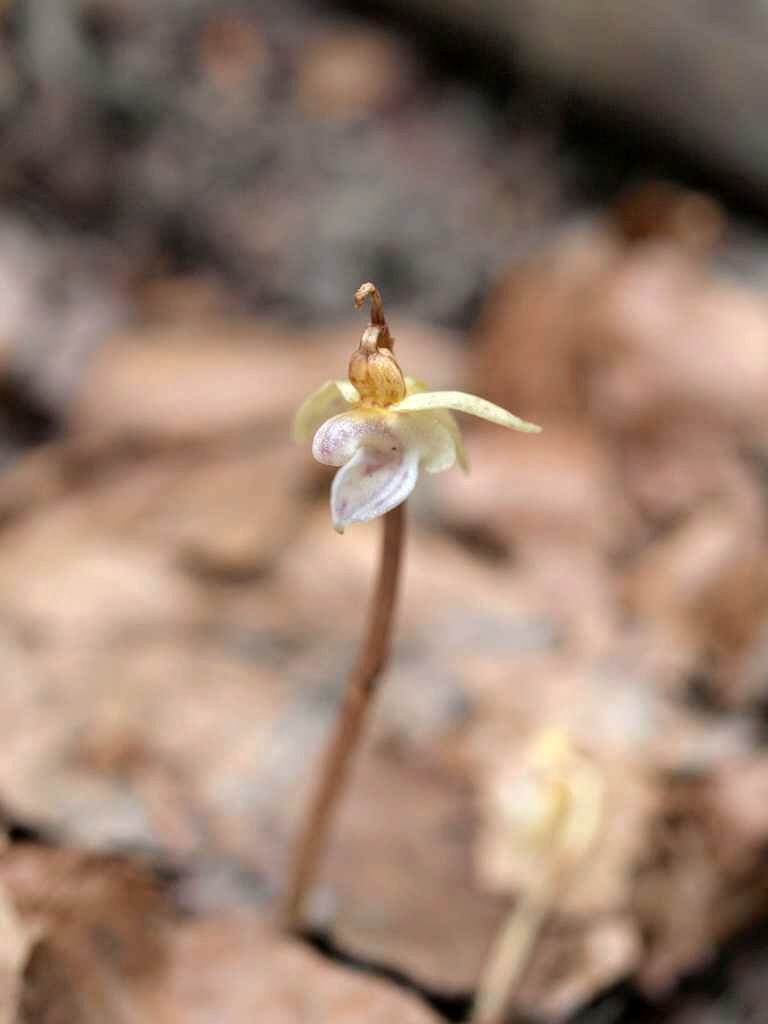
[(349, 723)]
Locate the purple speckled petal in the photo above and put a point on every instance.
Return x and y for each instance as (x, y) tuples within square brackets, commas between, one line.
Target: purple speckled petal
[(337, 440), (379, 453), (373, 482)]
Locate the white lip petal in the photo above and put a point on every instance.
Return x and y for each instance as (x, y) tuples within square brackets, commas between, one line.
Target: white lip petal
[(330, 399), (337, 440), (373, 482), (379, 453)]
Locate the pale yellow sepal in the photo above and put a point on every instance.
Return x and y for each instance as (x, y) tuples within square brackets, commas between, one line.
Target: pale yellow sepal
[(414, 386), (459, 401), (329, 399)]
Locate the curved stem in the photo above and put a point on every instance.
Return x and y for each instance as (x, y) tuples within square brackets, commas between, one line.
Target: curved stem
[(370, 291), (349, 723), (511, 953)]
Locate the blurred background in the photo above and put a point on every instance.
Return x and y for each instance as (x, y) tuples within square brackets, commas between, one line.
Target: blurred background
[(564, 206)]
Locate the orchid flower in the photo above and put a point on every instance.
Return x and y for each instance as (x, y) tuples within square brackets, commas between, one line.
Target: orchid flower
[(380, 427)]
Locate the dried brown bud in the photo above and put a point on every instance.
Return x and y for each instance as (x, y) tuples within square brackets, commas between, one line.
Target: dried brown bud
[(373, 368)]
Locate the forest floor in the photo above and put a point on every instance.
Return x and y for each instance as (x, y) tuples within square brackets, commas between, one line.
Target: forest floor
[(190, 193)]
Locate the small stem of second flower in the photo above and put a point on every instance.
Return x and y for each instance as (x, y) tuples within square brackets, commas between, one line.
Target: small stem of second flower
[(575, 797), (511, 952), (349, 723)]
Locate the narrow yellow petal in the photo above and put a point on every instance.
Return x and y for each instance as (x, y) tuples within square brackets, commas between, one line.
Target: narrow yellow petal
[(461, 402), (327, 401)]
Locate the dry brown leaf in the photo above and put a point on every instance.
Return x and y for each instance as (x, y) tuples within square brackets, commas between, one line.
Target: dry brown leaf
[(16, 942), (628, 334), (109, 948), (237, 971), (416, 905), (560, 484), (98, 924), (192, 618), (704, 585)]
